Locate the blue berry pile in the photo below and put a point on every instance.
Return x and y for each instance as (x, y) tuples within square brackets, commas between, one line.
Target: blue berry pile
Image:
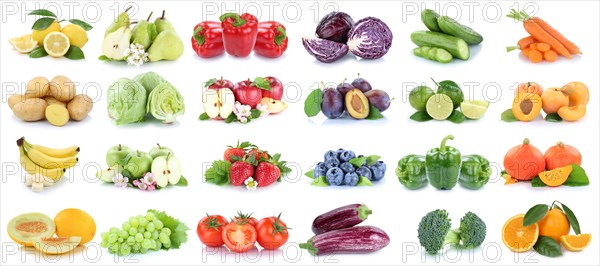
[(345, 168)]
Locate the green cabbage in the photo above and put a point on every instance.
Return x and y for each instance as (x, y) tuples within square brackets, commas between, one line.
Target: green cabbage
[(149, 80), (126, 101), (165, 103)]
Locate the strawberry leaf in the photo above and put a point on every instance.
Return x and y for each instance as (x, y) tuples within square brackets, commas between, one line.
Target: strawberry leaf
[(218, 173)]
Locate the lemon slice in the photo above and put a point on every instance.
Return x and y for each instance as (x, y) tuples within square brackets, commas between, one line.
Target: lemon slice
[(23, 44), (56, 44), (439, 106), (474, 109)]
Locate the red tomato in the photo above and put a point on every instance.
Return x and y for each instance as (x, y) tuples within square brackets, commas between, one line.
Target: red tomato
[(245, 218), (272, 233), (239, 237), (209, 230)]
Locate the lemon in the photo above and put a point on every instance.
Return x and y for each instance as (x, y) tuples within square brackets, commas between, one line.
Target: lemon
[(474, 109), (77, 35), (56, 44), (23, 44), (26, 37), (40, 35), (439, 106)]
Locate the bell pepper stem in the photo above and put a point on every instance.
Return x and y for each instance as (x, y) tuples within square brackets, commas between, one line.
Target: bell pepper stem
[(280, 36), (443, 145), (237, 20)]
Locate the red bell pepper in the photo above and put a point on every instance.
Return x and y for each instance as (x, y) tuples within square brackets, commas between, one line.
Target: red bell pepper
[(207, 40), (239, 33), (272, 39)]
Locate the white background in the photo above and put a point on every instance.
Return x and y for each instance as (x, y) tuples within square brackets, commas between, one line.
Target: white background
[(303, 141)]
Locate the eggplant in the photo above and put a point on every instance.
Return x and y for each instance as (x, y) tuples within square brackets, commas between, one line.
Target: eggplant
[(353, 240), (340, 218)]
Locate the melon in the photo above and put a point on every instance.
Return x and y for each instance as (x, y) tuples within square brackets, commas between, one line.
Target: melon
[(56, 245), (26, 228)]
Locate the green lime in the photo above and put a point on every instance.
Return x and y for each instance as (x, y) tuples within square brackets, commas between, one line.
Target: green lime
[(474, 109), (453, 90), (439, 106), (418, 97)]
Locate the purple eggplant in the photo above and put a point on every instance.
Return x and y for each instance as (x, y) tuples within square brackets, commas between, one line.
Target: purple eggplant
[(342, 217), (353, 240)]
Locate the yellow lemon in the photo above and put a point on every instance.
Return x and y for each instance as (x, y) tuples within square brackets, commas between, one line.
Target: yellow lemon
[(23, 44), (77, 35), (40, 35), (56, 44)]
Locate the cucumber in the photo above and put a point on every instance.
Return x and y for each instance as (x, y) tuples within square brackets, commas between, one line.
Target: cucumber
[(425, 50), (433, 53), (417, 52), (452, 27), (430, 19), (442, 56), (455, 46)]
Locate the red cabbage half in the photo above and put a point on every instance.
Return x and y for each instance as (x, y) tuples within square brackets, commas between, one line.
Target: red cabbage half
[(335, 27), (370, 38), (323, 50)]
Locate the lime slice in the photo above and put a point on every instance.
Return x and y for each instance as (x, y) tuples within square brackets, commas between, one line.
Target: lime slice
[(474, 109), (439, 106)]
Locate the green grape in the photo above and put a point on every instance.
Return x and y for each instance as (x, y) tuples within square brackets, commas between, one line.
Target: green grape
[(125, 250), (158, 224), (133, 221), (136, 247), (150, 216), (141, 230), (143, 250), (166, 231), (150, 227), (147, 244), (131, 240), (157, 245), (111, 251), (147, 235), (143, 221), (155, 235), (123, 234), (121, 240), (139, 237), (114, 248), (126, 226), (104, 235), (167, 245), (133, 231), (112, 238), (114, 230), (104, 244), (163, 238)]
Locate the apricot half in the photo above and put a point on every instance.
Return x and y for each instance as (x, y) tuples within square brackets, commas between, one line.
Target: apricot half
[(527, 106), (529, 87), (572, 113)]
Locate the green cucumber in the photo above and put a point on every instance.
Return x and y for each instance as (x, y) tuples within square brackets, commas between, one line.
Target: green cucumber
[(452, 27), (433, 53), (430, 19), (417, 52), (443, 56), (425, 50), (455, 46)]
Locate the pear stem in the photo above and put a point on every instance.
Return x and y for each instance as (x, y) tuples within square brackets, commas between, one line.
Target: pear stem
[(149, 16)]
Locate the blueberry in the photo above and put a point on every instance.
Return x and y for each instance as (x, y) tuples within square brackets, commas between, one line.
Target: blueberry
[(378, 170), (346, 156), (339, 152), (330, 155), (333, 162), (381, 165), (347, 167), (350, 179), (365, 171), (320, 170), (335, 176)]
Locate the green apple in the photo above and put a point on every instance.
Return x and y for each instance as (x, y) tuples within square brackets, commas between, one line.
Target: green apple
[(166, 169), (139, 163), (108, 175), (116, 154), (160, 151)]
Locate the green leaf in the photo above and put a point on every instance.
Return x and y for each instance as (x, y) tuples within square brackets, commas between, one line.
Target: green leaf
[(508, 116), (537, 182), (74, 53), (312, 104), (358, 162), (374, 114), (321, 181), (230, 118), (42, 23), (553, 118), (38, 53), (204, 117), (82, 24), (577, 178), (104, 58), (218, 173), (548, 247), (210, 82), (262, 84), (421, 116), (42, 12), (457, 117), (364, 182), (310, 174), (535, 214), (255, 113), (572, 219), (178, 229), (371, 159), (182, 182)]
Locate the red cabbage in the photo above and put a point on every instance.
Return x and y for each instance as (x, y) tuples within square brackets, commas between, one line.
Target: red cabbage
[(335, 27), (370, 38), (323, 50)]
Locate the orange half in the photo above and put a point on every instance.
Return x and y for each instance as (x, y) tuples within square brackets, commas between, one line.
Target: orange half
[(517, 237)]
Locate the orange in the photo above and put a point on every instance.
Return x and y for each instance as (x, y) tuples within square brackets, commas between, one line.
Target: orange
[(554, 224), (517, 237), (75, 222), (576, 242)]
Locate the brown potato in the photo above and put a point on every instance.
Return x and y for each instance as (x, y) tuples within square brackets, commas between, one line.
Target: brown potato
[(30, 110), (37, 87), (14, 99), (62, 88), (57, 115), (80, 107), (51, 100)]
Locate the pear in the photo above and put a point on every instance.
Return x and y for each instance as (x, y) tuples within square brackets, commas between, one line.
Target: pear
[(144, 33), (166, 170), (116, 42), (218, 103), (166, 46), (122, 20), (162, 24)]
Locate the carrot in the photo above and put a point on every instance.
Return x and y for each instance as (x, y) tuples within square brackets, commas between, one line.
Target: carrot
[(543, 47), (521, 44), (571, 47), (550, 56), (533, 46), (538, 33), (526, 51), (535, 56)]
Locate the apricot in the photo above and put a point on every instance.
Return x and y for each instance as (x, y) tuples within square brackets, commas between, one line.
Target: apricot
[(529, 87), (572, 113), (527, 106), (578, 93), (553, 99)]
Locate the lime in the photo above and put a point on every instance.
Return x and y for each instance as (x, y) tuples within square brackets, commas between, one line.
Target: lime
[(474, 109), (418, 97), (439, 106), (452, 89)]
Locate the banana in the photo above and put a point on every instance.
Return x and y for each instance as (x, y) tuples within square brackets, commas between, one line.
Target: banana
[(30, 167), (50, 162), (57, 153)]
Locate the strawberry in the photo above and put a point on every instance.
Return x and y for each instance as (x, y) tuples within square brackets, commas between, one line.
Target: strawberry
[(239, 172), (237, 152), (258, 154), (266, 174)]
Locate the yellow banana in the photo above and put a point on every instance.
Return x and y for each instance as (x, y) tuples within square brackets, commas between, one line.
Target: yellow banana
[(48, 161), (32, 168), (57, 153)]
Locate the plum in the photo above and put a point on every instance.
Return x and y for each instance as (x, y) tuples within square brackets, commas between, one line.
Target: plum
[(335, 27), (361, 84), (379, 99), (333, 103), (325, 51), (344, 87)]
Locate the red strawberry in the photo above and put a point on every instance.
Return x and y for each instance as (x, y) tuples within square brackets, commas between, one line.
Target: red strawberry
[(266, 174), (239, 172), (258, 154), (238, 152)]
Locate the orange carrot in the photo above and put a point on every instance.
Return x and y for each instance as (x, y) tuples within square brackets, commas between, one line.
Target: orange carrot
[(538, 33), (521, 44), (535, 56), (533, 46), (571, 47), (543, 47), (550, 56), (526, 51)]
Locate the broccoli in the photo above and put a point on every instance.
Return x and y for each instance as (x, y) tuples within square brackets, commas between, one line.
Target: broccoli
[(435, 231)]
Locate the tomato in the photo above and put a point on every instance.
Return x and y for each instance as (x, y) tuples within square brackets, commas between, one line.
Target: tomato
[(245, 218), (239, 237), (272, 233), (209, 230)]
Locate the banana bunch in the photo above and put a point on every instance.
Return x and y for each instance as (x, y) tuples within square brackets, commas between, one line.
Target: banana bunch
[(44, 161)]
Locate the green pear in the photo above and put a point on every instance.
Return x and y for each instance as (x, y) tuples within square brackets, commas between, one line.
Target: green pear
[(121, 20), (166, 46), (162, 24), (144, 33), (116, 42)]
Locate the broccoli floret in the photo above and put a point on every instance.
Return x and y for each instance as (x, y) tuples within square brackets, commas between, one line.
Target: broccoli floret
[(470, 234), (434, 231)]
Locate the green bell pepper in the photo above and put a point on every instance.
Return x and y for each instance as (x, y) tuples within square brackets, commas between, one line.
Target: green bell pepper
[(475, 172), (411, 172), (443, 165)]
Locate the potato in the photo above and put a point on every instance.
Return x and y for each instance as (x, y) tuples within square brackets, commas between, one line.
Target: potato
[(57, 115), (37, 87), (14, 99), (30, 110), (51, 100), (62, 88), (80, 107)]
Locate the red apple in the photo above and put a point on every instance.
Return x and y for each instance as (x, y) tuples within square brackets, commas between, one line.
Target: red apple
[(217, 84), (248, 93), (276, 92)]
